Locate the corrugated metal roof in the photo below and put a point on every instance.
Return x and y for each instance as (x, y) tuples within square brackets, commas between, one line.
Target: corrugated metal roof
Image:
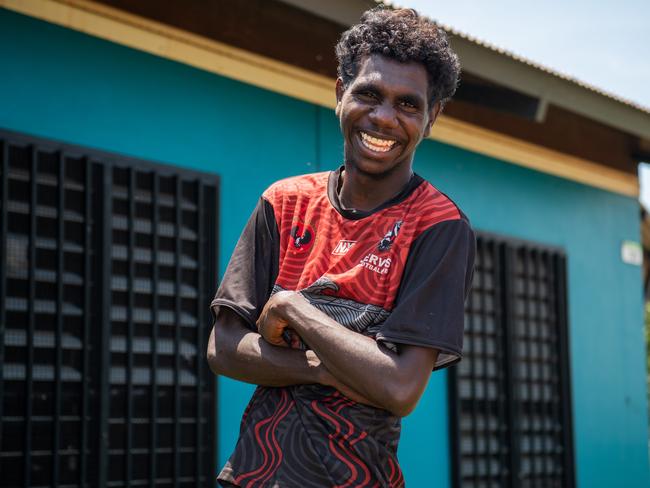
[(522, 59)]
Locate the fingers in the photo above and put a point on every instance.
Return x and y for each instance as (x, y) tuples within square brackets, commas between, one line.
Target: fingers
[(273, 332), (295, 341), (273, 328), (288, 337), (277, 342)]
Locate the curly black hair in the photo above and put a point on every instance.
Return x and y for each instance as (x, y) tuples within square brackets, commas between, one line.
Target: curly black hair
[(403, 35)]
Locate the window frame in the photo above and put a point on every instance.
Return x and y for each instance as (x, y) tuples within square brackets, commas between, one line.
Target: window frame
[(99, 167), (504, 273)]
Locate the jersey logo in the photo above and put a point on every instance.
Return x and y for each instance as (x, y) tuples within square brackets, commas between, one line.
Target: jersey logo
[(387, 241), (376, 263), (343, 247), (302, 237)]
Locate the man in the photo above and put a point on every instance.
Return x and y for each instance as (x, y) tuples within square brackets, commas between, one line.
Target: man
[(346, 288)]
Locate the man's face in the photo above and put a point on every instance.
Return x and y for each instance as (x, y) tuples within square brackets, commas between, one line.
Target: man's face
[(384, 114)]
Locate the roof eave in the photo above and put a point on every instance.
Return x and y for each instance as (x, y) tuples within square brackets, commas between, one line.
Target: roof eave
[(550, 88), (513, 72)]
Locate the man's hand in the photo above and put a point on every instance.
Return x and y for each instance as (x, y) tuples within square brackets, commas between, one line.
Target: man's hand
[(237, 352), (273, 326), (356, 362), (272, 323)]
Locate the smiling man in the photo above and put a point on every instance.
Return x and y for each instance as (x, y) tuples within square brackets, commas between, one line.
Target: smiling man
[(346, 288)]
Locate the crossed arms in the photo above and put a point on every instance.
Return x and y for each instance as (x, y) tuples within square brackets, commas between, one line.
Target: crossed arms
[(356, 365)]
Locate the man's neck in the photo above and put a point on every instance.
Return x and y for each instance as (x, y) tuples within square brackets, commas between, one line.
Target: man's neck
[(364, 192)]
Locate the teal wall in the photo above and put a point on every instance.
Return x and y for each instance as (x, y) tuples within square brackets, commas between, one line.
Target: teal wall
[(64, 85)]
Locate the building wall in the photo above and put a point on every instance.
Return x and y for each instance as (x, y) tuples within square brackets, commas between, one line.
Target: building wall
[(64, 85)]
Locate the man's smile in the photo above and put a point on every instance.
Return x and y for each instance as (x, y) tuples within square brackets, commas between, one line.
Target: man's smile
[(376, 144)]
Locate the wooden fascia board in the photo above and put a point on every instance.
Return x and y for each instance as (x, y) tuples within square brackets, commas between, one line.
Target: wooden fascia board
[(162, 40)]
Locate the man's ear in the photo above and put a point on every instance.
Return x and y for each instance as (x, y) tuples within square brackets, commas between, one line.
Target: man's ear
[(340, 89), (434, 111)]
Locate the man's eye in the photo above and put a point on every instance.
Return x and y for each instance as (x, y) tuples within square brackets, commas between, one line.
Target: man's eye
[(408, 106), (367, 95)]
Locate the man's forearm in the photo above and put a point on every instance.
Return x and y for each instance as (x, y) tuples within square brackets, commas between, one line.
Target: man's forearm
[(393, 381), (354, 359), (238, 353)]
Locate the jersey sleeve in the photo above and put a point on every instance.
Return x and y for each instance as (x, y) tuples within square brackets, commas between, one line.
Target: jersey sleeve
[(253, 267), (429, 308)]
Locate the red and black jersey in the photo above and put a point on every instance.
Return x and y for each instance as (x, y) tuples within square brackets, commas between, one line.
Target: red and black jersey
[(399, 273)]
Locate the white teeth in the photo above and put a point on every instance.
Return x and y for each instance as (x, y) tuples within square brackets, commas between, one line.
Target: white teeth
[(376, 144)]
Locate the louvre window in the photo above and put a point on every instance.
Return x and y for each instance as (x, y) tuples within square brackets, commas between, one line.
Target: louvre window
[(109, 264), (510, 396)]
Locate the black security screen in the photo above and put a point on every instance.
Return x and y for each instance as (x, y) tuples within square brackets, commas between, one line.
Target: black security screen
[(510, 396), (108, 267)]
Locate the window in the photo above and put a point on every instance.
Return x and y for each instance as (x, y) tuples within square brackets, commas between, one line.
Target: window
[(110, 266), (510, 396)]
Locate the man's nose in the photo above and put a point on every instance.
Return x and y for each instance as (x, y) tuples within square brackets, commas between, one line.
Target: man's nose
[(384, 115)]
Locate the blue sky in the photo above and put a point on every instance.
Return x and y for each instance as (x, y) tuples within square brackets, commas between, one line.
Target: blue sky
[(605, 43)]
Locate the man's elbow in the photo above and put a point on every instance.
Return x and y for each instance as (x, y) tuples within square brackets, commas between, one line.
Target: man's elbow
[(216, 354), (404, 400), (402, 409), (213, 360)]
